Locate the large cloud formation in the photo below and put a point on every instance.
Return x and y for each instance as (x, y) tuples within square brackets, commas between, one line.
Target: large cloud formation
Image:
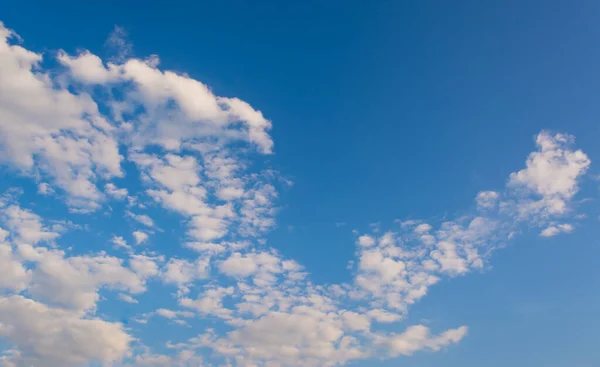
[(75, 126)]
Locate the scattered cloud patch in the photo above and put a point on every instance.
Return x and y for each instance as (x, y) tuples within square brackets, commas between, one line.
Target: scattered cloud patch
[(140, 237), (192, 151)]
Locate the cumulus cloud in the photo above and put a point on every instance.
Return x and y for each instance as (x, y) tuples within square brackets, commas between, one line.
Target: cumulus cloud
[(550, 178), (190, 149), (113, 191), (276, 315), (210, 303), (13, 274), (366, 241), (553, 230), (55, 337), (45, 189), (74, 281), (119, 241), (422, 228), (141, 218), (417, 338), (487, 199), (127, 298), (199, 113), (26, 226), (63, 135), (48, 130), (182, 273), (140, 237)]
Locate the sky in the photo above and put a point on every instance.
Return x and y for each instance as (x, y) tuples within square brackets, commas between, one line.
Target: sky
[(339, 183)]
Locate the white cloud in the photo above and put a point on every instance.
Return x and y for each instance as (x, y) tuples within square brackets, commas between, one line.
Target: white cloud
[(552, 174), (210, 303), (54, 337), (26, 226), (52, 130), (140, 237), (119, 241), (356, 321), (487, 199), (114, 192), (181, 272), (289, 339), (13, 274), (155, 90), (553, 169), (206, 247), (63, 135), (366, 241), (385, 267), (257, 210), (446, 255), (383, 316), (170, 314), (208, 227), (74, 281), (175, 173), (422, 228), (417, 338), (185, 358), (45, 189), (89, 68), (45, 129), (230, 193), (397, 274), (238, 265), (141, 218), (127, 298), (144, 266), (553, 230), (179, 188)]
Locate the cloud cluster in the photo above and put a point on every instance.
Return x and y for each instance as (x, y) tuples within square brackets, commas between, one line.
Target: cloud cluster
[(56, 337), (46, 129), (178, 149)]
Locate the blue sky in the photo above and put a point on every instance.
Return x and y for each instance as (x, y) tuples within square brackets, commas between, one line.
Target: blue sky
[(415, 182)]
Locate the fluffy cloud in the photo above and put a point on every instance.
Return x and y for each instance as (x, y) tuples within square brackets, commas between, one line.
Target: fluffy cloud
[(553, 230), (115, 192), (190, 150), (181, 272), (288, 339), (46, 129), (417, 338), (141, 218), (210, 303), (119, 241), (54, 337), (551, 176), (552, 170), (26, 226), (44, 189), (13, 274), (63, 134), (366, 241), (127, 298), (398, 269), (487, 199), (422, 228), (199, 112), (74, 281), (140, 237)]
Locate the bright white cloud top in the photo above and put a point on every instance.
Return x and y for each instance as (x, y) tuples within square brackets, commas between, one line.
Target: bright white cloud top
[(160, 150)]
